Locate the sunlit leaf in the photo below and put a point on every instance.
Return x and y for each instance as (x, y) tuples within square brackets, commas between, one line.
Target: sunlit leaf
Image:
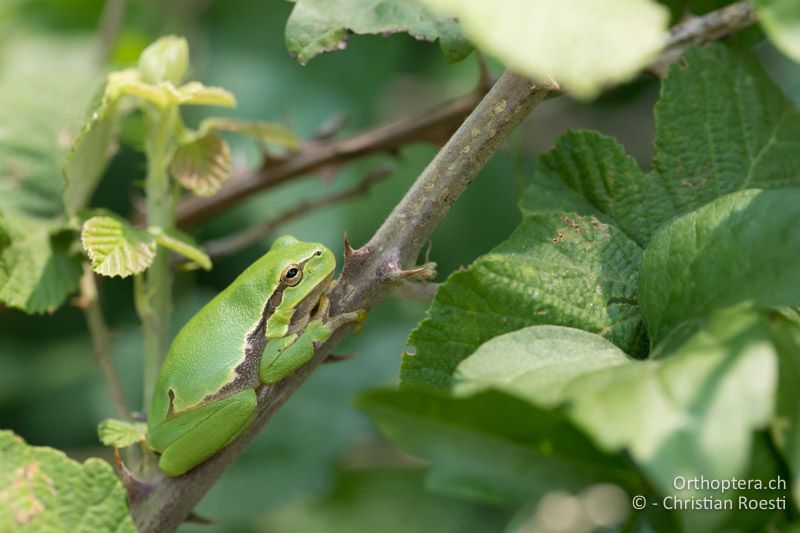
[(781, 20), (115, 248), (583, 44), (121, 434), (202, 165), (41, 489)]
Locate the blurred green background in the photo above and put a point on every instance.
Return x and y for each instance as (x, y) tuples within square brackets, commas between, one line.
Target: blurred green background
[(319, 465)]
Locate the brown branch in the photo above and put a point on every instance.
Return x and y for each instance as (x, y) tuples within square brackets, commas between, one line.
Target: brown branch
[(434, 125), (89, 302), (231, 244), (697, 31)]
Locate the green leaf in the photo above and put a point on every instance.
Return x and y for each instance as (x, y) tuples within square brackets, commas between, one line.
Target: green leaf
[(41, 489), (743, 246), (692, 413), (491, 446), (570, 270), (165, 94), (165, 60), (115, 248), (722, 126), (181, 243), (597, 168), (195, 93), (389, 500), (781, 20), (317, 26), (90, 153), (583, 44), (121, 434), (44, 87), (272, 132), (535, 363), (202, 165), (39, 266), (785, 330)]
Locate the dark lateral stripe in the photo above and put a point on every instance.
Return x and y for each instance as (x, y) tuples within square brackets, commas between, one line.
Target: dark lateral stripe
[(246, 372)]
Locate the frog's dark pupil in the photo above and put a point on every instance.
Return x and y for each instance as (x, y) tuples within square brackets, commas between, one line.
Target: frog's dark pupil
[(291, 273)]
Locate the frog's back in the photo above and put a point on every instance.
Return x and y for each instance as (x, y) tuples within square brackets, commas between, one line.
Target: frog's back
[(205, 353)]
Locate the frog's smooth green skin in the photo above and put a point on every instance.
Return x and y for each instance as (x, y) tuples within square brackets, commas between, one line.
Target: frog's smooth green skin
[(255, 332)]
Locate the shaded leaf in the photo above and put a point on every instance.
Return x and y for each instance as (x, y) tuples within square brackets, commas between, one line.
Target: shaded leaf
[(317, 26), (121, 434), (115, 248), (385, 500), (743, 246), (39, 267), (41, 489), (508, 451), (722, 126), (202, 165), (583, 44)]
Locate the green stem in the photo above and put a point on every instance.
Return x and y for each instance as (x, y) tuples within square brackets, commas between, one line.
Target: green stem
[(153, 291)]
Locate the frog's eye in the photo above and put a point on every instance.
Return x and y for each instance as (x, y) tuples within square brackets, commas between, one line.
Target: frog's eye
[(292, 275)]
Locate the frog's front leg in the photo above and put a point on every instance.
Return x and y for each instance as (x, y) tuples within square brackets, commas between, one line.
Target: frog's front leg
[(191, 437), (284, 356)]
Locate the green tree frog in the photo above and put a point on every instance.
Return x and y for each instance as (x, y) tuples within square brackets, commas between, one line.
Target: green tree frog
[(256, 332)]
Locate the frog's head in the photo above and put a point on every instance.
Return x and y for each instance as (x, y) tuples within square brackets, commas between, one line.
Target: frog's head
[(304, 271)]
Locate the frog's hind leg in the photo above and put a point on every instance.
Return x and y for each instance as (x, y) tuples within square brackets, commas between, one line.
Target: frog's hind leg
[(217, 424)]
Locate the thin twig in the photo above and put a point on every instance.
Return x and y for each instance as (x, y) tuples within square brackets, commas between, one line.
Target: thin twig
[(697, 31), (235, 242), (89, 303), (434, 125)]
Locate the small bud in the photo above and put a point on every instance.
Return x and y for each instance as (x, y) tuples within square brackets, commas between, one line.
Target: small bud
[(165, 60)]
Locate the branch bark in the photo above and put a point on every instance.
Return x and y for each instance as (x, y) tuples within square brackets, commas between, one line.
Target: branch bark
[(235, 242), (434, 125), (696, 31)]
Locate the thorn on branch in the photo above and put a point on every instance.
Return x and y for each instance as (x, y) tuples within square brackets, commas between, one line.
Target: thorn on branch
[(331, 127), (137, 489)]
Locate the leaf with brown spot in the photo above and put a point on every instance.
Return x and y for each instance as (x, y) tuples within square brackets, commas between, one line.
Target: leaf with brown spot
[(44, 490)]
